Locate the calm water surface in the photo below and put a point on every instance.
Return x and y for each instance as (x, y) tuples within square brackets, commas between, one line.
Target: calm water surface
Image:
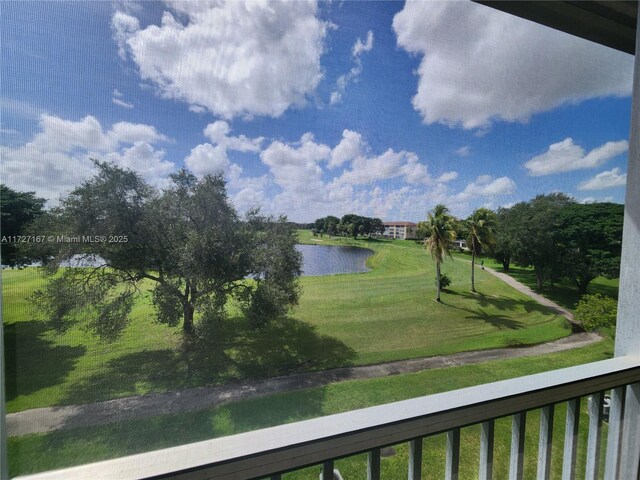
[(333, 259), (316, 260)]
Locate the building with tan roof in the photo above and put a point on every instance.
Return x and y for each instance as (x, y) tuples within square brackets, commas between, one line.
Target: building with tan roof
[(400, 230)]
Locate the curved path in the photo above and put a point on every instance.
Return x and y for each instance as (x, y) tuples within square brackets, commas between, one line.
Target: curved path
[(554, 307), (47, 419)]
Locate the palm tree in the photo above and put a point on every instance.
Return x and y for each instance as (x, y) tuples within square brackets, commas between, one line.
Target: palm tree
[(441, 232), (481, 226)]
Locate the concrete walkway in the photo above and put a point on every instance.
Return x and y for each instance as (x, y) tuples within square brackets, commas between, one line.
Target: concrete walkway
[(554, 307), (47, 419)]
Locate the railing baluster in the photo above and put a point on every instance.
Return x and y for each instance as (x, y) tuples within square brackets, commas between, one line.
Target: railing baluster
[(616, 409), (545, 445), (373, 464), (415, 459), (327, 470), (486, 450), (596, 402), (516, 461), (453, 454), (571, 439), (630, 444)]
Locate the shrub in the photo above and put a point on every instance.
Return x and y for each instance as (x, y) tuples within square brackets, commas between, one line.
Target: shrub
[(596, 311), (445, 281)]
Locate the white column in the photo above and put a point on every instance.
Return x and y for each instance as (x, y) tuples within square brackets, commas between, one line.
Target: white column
[(486, 450), (516, 459), (596, 402), (571, 439), (628, 323), (545, 442), (630, 444)]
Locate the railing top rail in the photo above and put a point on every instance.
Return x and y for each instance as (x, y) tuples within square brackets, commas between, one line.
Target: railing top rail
[(294, 445)]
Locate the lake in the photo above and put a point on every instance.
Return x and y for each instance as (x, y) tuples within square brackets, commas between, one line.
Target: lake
[(333, 259), (317, 260)]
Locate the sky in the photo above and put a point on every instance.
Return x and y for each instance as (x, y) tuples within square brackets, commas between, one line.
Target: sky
[(310, 109)]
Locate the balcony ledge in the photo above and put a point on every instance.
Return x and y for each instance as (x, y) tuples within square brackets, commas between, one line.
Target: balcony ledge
[(285, 447)]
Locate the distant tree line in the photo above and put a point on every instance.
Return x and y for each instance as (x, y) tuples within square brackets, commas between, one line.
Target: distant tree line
[(560, 238), (17, 211), (350, 225), (553, 234)]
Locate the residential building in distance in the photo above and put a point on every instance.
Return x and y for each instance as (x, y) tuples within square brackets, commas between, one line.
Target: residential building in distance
[(400, 230), (461, 243)]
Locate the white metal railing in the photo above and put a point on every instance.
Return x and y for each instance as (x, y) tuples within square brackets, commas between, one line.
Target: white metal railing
[(270, 451)]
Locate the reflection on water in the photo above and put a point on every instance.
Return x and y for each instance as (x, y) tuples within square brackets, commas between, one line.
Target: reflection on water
[(330, 260), (316, 260)]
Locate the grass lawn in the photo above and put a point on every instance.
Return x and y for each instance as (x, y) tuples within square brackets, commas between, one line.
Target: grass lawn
[(563, 293), (386, 314), (34, 453)]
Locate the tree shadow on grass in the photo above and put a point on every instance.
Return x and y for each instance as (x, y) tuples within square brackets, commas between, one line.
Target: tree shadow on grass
[(505, 304), (510, 304), (236, 351), (130, 374), (497, 321), (34, 362), (66, 447), (287, 346), (608, 290)]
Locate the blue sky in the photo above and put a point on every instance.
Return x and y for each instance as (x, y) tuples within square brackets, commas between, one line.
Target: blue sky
[(377, 108)]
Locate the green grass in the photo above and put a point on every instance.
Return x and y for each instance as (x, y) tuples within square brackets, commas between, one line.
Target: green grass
[(62, 448), (391, 313), (383, 315), (564, 293)]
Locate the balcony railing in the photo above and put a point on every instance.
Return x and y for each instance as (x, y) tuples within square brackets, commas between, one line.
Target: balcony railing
[(272, 451)]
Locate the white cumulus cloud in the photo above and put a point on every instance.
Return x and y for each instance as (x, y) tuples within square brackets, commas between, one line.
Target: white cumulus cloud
[(57, 158), (608, 179), (247, 192), (218, 132), (232, 58), (566, 156), (392, 183), (390, 164), (479, 65), (485, 190), (351, 146), (206, 158)]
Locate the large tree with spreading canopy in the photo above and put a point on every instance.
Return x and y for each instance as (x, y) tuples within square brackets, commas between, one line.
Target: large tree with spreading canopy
[(186, 240)]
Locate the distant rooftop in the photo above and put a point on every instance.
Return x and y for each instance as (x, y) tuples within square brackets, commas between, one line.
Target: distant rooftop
[(400, 224)]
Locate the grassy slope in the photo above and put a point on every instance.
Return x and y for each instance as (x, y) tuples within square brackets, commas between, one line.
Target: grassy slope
[(391, 313), (58, 449), (386, 314)]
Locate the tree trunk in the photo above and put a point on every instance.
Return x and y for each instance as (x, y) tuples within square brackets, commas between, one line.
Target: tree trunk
[(187, 324), (539, 277), (438, 281), (583, 283), (473, 271)]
